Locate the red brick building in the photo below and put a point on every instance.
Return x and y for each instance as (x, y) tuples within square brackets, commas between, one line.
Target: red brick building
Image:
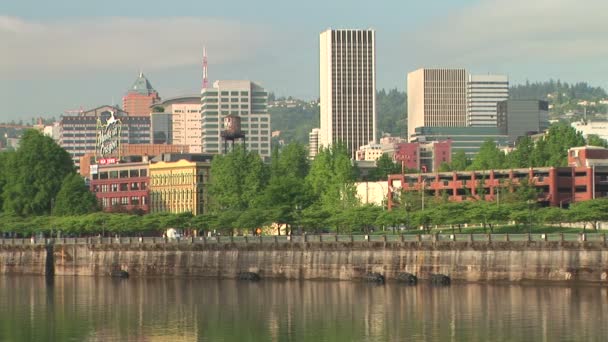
[(122, 186), (422, 156), (586, 178)]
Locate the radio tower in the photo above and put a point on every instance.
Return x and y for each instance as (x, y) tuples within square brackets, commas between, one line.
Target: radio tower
[(205, 80)]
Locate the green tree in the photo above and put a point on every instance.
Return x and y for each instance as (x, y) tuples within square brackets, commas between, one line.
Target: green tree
[(287, 190), (237, 179), (34, 175), (489, 157), (460, 162), (522, 155), (331, 179), (384, 166), (74, 197), (595, 140), (592, 212)]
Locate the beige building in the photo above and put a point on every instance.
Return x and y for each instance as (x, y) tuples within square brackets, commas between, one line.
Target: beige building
[(313, 143), (436, 98), (348, 88), (372, 192), (185, 121), (178, 184)]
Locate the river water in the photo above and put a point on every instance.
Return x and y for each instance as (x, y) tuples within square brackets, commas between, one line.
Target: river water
[(103, 309)]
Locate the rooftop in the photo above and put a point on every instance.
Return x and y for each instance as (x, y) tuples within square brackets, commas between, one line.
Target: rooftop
[(142, 86)]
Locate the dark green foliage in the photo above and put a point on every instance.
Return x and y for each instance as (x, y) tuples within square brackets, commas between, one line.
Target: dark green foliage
[(391, 109), (384, 166), (34, 174), (460, 161), (594, 140), (295, 123), (558, 89), (489, 157), (237, 179), (74, 197)]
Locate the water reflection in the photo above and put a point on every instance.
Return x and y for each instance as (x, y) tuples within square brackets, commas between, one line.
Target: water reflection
[(101, 309)]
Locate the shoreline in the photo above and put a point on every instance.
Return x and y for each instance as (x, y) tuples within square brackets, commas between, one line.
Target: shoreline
[(514, 262)]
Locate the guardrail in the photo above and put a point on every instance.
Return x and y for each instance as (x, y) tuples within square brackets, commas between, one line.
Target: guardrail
[(276, 239)]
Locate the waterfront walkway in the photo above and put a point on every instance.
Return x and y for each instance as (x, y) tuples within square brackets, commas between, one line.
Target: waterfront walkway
[(324, 238)]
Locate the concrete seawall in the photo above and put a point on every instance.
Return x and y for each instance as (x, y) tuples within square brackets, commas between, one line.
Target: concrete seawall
[(462, 261)]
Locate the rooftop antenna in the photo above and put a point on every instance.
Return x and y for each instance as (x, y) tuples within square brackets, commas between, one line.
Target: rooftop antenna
[(205, 80)]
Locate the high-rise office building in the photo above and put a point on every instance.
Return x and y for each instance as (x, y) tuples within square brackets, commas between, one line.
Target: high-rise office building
[(140, 97), (245, 99), (313, 143), (185, 113), (484, 91), (348, 88), (436, 98), (518, 118)]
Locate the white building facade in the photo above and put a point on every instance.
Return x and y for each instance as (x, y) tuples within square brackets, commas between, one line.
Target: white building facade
[(436, 98), (483, 92), (348, 88)]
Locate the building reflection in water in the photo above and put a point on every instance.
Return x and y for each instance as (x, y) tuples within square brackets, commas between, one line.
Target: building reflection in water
[(95, 309)]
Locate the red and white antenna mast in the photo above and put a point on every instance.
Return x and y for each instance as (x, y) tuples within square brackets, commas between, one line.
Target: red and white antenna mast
[(205, 80)]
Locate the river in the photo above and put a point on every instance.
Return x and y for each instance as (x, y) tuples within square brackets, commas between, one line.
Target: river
[(144, 309)]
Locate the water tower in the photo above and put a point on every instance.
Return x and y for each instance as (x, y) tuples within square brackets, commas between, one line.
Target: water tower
[(232, 131)]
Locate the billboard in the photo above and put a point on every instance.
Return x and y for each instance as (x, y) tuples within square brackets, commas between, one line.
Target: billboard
[(108, 136)]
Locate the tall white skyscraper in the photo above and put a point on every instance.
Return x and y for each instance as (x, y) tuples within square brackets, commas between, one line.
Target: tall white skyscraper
[(348, 87), (483, 92), (245, 99), (436, 98)]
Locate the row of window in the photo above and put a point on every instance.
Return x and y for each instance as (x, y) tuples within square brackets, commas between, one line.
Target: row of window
[(116, 187), (129, 173), (132, 200)]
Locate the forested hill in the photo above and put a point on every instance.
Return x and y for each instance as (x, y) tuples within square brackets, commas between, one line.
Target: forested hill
[(558, 90), (295, 118)]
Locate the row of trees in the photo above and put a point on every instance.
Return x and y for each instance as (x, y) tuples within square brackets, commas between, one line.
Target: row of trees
[(353, 219)]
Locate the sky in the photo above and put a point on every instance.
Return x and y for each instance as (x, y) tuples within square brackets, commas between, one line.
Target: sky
[(68, 54)]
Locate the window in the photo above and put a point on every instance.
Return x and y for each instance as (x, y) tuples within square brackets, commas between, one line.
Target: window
[(143, 173), (134, 173), (124, 200), (134, 186), (124, 174), (134, 200), (114, 187), (143, 186), (124, 186)]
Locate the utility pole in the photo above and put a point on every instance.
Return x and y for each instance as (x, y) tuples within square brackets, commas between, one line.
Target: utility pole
[(423, 186)]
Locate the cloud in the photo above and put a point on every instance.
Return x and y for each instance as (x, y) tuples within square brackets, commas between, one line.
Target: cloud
[(124, 43), (514, 31)]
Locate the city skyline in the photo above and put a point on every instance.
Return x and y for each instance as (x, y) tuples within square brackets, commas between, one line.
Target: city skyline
[(70, 54)]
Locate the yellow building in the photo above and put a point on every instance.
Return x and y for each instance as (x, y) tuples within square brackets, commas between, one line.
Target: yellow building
[(179, 186)]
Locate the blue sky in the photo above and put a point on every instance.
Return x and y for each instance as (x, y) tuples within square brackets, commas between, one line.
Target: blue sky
[(64, 54)]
